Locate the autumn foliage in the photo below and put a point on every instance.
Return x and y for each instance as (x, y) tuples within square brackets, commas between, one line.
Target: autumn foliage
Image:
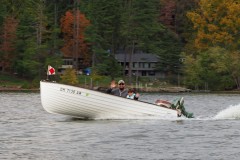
[(7, 39), (217, 23), (217, 56), (73, 25), (168, 13)]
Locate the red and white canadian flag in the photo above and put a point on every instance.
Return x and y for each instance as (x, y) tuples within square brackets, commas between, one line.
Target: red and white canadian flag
[(51, 70)]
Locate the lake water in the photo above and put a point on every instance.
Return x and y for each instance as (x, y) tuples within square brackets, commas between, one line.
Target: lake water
[(29, 132)]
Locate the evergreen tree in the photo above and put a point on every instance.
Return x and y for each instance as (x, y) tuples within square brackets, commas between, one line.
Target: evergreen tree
[(33, 41), (139, 25), (169, 52), (103, 33)]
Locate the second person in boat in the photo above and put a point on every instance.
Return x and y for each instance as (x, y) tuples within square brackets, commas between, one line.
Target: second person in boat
[(132, 94)]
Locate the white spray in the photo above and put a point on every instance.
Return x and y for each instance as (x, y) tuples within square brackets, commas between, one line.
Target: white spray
[(232, 112)]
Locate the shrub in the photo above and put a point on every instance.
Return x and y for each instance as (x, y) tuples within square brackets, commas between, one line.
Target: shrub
[(69, 77)]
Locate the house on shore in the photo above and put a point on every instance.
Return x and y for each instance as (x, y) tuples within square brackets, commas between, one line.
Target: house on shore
[(69, 62), (143, 64)]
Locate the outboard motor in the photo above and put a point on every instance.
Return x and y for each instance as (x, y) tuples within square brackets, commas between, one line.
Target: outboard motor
[(178, 105)]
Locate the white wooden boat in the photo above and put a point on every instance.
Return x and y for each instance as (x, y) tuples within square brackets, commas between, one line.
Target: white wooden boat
[(84, 103)]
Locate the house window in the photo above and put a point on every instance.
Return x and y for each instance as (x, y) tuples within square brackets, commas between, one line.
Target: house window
[(68, 62), (135, 65), (146, 65)]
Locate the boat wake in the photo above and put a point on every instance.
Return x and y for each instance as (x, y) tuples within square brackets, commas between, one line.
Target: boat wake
[(232, 112), (141, 118)]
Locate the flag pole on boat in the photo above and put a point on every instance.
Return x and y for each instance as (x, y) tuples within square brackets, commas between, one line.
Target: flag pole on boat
[(50, 71)]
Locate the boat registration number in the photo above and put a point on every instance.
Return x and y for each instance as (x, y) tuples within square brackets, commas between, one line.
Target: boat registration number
[(71, 91)]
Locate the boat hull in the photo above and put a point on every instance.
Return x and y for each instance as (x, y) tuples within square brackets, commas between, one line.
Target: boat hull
[(84, 103)]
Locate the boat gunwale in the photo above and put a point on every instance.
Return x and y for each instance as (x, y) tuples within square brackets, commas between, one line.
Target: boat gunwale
[(108, 94)]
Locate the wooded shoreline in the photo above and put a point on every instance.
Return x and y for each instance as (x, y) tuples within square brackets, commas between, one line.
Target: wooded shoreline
[(141, 90)]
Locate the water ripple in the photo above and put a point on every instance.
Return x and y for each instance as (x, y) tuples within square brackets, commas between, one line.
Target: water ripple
[(29, 132)]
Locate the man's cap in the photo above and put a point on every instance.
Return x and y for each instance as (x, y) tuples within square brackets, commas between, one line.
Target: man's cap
[(121, 81)]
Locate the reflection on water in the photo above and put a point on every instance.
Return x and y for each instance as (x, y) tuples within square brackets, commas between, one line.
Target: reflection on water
[(29, 132)]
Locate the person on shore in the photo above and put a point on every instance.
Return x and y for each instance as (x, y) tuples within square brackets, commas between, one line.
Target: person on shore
[(118, 91), (132, 94)]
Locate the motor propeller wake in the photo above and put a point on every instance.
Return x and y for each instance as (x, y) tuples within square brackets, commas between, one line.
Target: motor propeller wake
[(232, 112)]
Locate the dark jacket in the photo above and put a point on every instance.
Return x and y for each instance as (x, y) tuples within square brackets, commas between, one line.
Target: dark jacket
[(118, 92)]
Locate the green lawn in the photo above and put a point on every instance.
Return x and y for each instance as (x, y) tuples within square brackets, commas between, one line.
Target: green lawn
[(95, 81), (7, 80)]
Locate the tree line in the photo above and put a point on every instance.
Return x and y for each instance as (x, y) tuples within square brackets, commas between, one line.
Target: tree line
[(200, 41)]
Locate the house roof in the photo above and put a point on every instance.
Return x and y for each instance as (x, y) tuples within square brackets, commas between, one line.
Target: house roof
[(137, 57)]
